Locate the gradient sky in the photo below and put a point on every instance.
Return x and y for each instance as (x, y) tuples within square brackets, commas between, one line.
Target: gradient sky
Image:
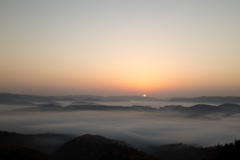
[(126, 47)]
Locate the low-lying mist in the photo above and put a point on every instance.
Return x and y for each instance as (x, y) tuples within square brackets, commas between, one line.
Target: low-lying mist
[(137, 128)]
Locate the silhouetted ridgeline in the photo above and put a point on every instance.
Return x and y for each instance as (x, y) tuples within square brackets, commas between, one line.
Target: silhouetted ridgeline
[(86, 147), (43, 142), (208, 99), (17, 99), (21, 153), (226, 109), (55, 107), (92, 147), (8, 98), (189, 152)]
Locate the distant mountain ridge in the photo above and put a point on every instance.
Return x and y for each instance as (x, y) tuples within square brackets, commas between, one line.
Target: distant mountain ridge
[(226, 109), (208, 99), (21, 98), (9, 98), (18, 99), (89, 103)]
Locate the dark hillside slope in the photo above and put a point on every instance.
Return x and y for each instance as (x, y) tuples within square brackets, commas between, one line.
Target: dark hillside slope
[(187, 152), (92, 147), (42, 142), (21, 153)]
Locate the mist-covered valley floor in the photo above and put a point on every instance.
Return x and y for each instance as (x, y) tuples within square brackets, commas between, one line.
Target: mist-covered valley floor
[(137, 128), (199, 125)]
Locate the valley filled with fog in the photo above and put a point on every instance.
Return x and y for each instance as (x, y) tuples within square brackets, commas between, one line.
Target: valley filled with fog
[(140, 126)]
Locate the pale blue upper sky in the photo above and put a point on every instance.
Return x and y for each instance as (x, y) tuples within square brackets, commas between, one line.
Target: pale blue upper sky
[(161, 47)]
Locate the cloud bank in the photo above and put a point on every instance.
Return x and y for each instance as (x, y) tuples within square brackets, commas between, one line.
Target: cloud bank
[(137, 128)]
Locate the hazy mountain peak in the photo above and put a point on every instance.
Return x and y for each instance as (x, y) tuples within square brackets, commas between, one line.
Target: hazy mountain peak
[(92, 147), (89, 139)]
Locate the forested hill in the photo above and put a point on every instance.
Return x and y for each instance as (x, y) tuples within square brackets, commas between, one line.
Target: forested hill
[(15, 146)]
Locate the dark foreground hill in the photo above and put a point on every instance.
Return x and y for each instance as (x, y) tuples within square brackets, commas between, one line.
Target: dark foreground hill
[(14, 146), (92, 147), (188, 152), (43, 142), (21, 153)]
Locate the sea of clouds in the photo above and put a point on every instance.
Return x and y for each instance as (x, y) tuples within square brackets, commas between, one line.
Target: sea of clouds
[(137, 128)]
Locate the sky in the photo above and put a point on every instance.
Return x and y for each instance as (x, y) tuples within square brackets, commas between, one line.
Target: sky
[(162, 48)]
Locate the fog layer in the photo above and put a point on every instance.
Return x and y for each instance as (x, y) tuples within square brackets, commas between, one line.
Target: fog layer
[(137, 128)]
